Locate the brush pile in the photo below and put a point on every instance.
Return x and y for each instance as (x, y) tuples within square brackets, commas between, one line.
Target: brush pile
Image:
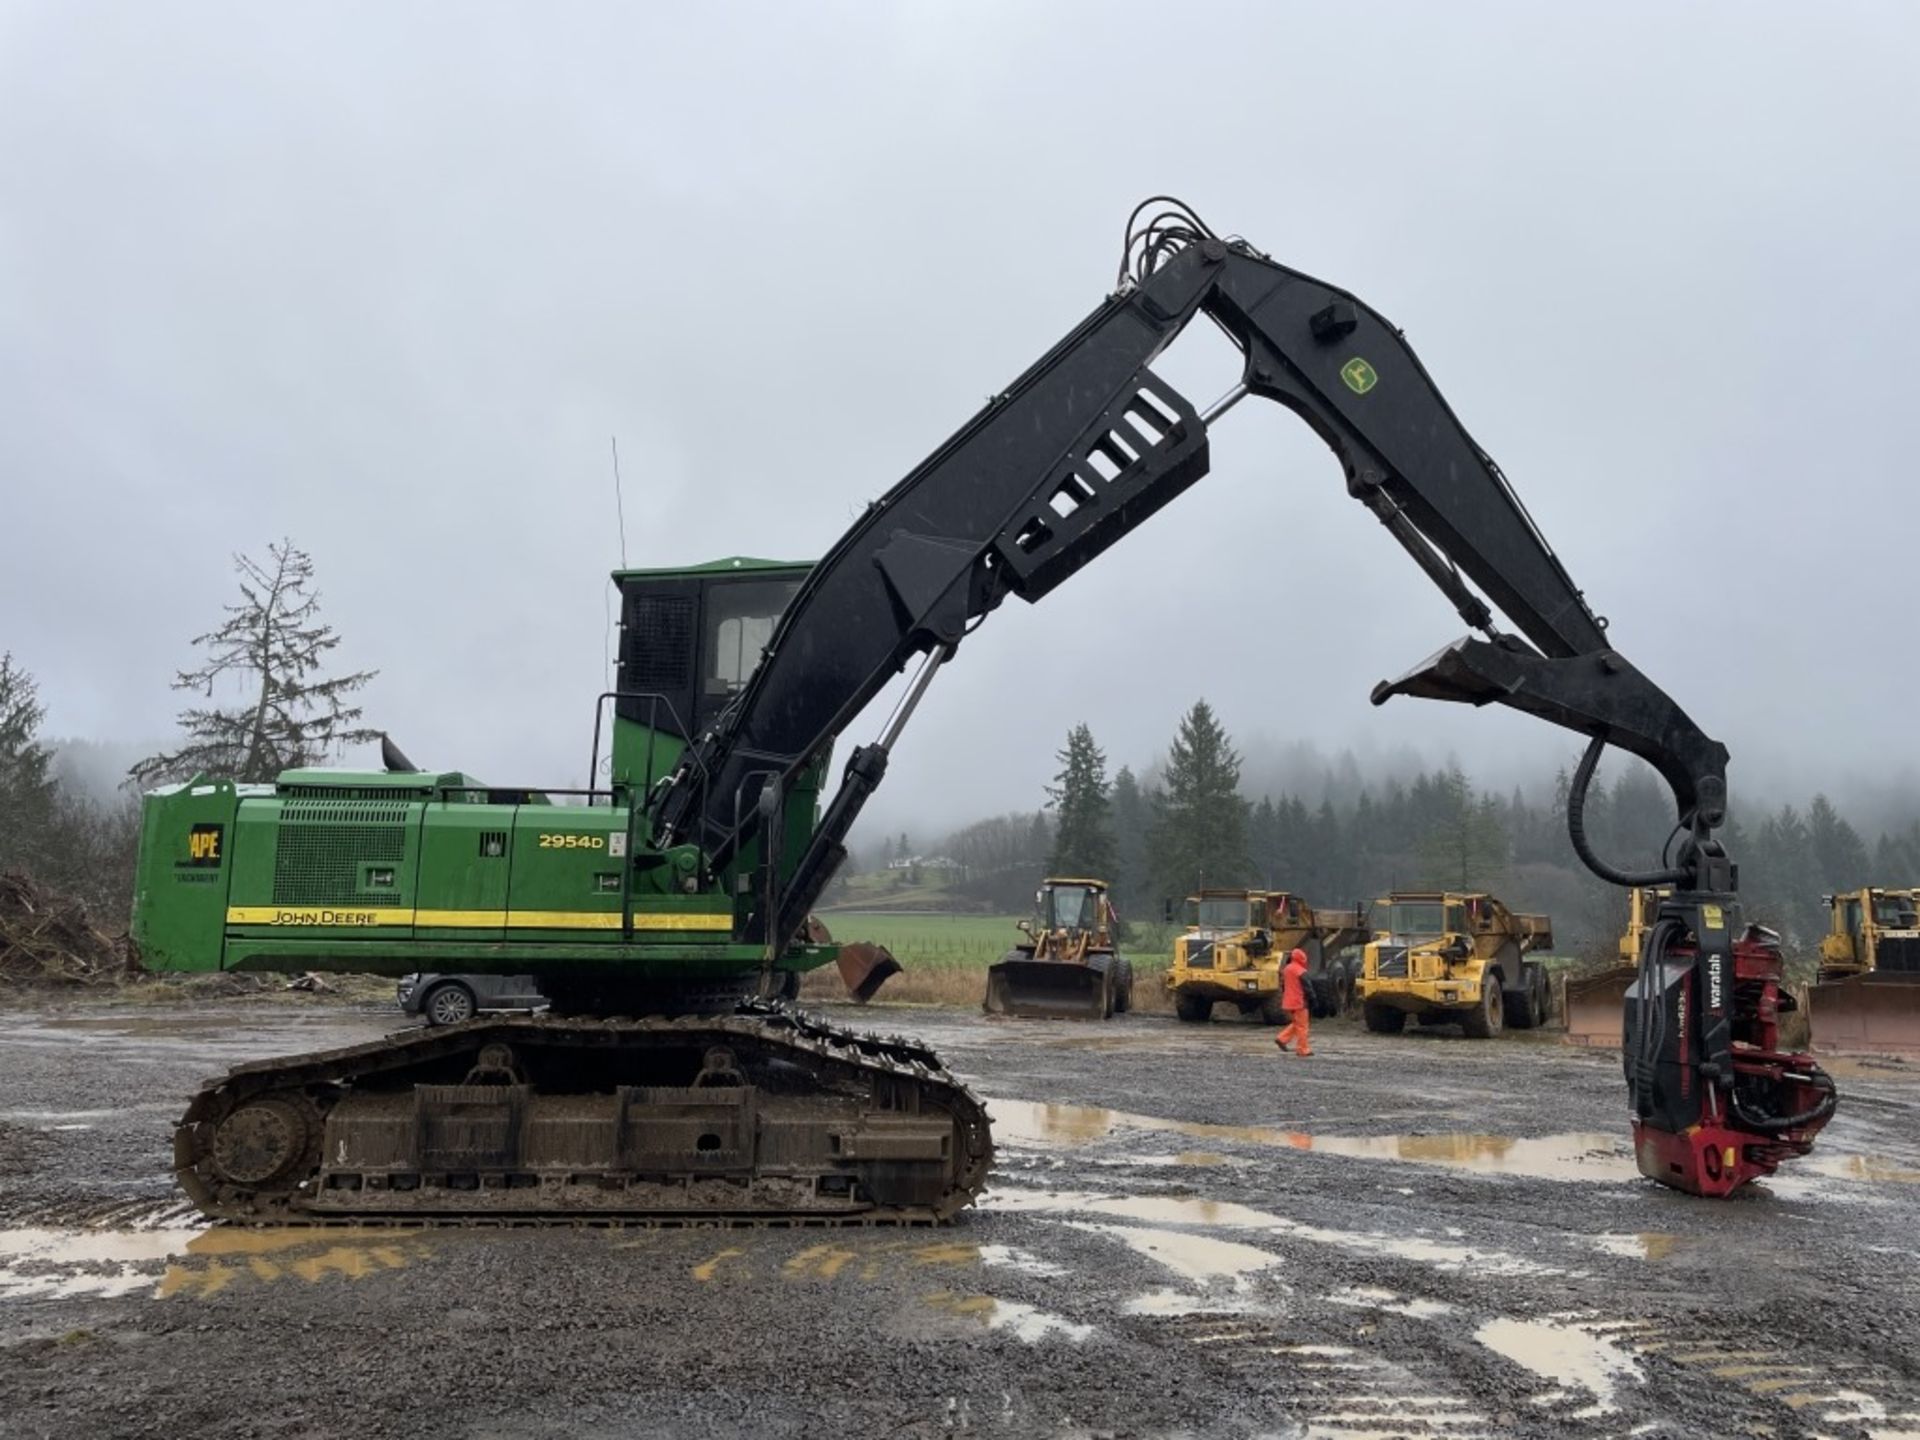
[(48, 939)]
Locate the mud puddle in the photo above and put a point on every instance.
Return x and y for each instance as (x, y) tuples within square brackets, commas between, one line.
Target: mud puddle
[(1576, 1156), (165, 1262), (1581, 1365), (1023, 1321), (1092, 1211), (1643, 1245)]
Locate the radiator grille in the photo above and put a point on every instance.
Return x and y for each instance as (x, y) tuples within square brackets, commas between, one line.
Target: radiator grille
[(321, 844), (1393, 960), (1897, 957), (1200, 954)]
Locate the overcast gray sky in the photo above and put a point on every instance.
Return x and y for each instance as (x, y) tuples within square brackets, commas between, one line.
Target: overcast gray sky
[(386, 278)]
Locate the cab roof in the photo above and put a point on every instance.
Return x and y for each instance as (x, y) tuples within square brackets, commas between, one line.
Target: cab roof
[(726, 565)]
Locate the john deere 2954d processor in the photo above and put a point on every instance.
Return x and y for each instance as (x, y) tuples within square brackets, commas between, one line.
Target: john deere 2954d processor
[(652, 908)]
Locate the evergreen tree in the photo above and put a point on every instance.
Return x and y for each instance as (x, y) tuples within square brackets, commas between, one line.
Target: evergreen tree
[(1080, 798), (1896, 858), (1039, 842), (1199, 832), (1464, 847), (1364, 879), (274, 644), (1130, 818), (1263, 843), (1779, 881), (1839, 855), (27, 789)]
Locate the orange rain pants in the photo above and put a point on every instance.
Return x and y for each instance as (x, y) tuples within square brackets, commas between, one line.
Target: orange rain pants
[(1299, 1023)]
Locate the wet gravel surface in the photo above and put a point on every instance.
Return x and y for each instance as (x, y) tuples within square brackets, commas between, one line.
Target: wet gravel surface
[(1188, 1234)]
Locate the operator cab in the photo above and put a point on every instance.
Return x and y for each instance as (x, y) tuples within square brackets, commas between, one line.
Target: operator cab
[(690, 641), (1070, 905), (1226, 913), (1411, 921)]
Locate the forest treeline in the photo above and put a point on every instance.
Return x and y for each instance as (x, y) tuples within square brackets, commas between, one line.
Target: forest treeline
[(52, 829), (1189, 824)]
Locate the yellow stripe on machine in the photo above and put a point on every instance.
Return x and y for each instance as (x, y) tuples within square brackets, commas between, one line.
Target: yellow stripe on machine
[(347, 917)]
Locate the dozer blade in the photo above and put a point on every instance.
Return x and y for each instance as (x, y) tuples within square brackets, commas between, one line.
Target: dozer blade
[(1051, 989), (864, 968), (1867, 1015), (1593, 1006)]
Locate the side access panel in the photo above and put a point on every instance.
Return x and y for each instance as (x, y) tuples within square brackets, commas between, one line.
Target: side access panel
[(466, 869), (565, 879)]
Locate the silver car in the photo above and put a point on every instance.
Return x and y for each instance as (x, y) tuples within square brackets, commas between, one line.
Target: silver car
[(449, 999)]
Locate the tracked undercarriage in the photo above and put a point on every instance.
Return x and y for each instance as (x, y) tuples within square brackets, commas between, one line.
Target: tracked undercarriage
[(766, 1116)]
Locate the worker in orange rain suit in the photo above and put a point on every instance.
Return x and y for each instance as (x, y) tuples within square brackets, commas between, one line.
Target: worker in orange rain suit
[(1293, 1000)]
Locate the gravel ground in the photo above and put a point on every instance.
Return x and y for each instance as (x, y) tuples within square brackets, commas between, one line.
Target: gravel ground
[(1187, 1234)]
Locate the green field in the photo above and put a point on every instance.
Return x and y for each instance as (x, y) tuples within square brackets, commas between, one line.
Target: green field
[(978, 939), (945, 957)]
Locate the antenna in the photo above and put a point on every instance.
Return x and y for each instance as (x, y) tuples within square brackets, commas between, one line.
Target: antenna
[(619, 504)]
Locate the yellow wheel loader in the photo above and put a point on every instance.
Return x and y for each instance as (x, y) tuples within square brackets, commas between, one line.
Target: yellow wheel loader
[(1460, 959), (1068, 968), (1237, 940), (1592, 1002), (1867, 998)]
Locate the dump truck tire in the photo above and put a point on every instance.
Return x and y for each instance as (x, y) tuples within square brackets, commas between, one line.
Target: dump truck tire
[(1271, 1011), (1343, 997), (1384, 1019), (1122, 985), (1520, 1009), (1486, 1019), (1194, 1009)]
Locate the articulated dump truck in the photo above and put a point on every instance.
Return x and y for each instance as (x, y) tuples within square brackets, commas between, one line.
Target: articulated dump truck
[(1237, 940), (1068, 968), (1867, 998), (1457, 959), (1592, 1002)]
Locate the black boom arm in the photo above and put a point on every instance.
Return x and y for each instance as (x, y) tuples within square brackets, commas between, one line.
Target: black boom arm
[(1089, 443)]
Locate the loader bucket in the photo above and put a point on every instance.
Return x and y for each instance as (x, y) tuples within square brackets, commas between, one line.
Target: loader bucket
[(1051, 989), (1594, 1006), (864, 968), (1866, 1015)]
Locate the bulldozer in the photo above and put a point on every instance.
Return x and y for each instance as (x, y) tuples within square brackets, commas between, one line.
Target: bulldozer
[(1867, 997), (1237, 940), (1068, 969), (1446, 958), (1591, 1002)]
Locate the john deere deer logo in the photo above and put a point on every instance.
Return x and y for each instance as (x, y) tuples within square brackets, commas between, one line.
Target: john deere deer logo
[(1359, 375)]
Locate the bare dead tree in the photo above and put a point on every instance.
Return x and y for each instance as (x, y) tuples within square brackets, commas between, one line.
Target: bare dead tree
[(274, 644)]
